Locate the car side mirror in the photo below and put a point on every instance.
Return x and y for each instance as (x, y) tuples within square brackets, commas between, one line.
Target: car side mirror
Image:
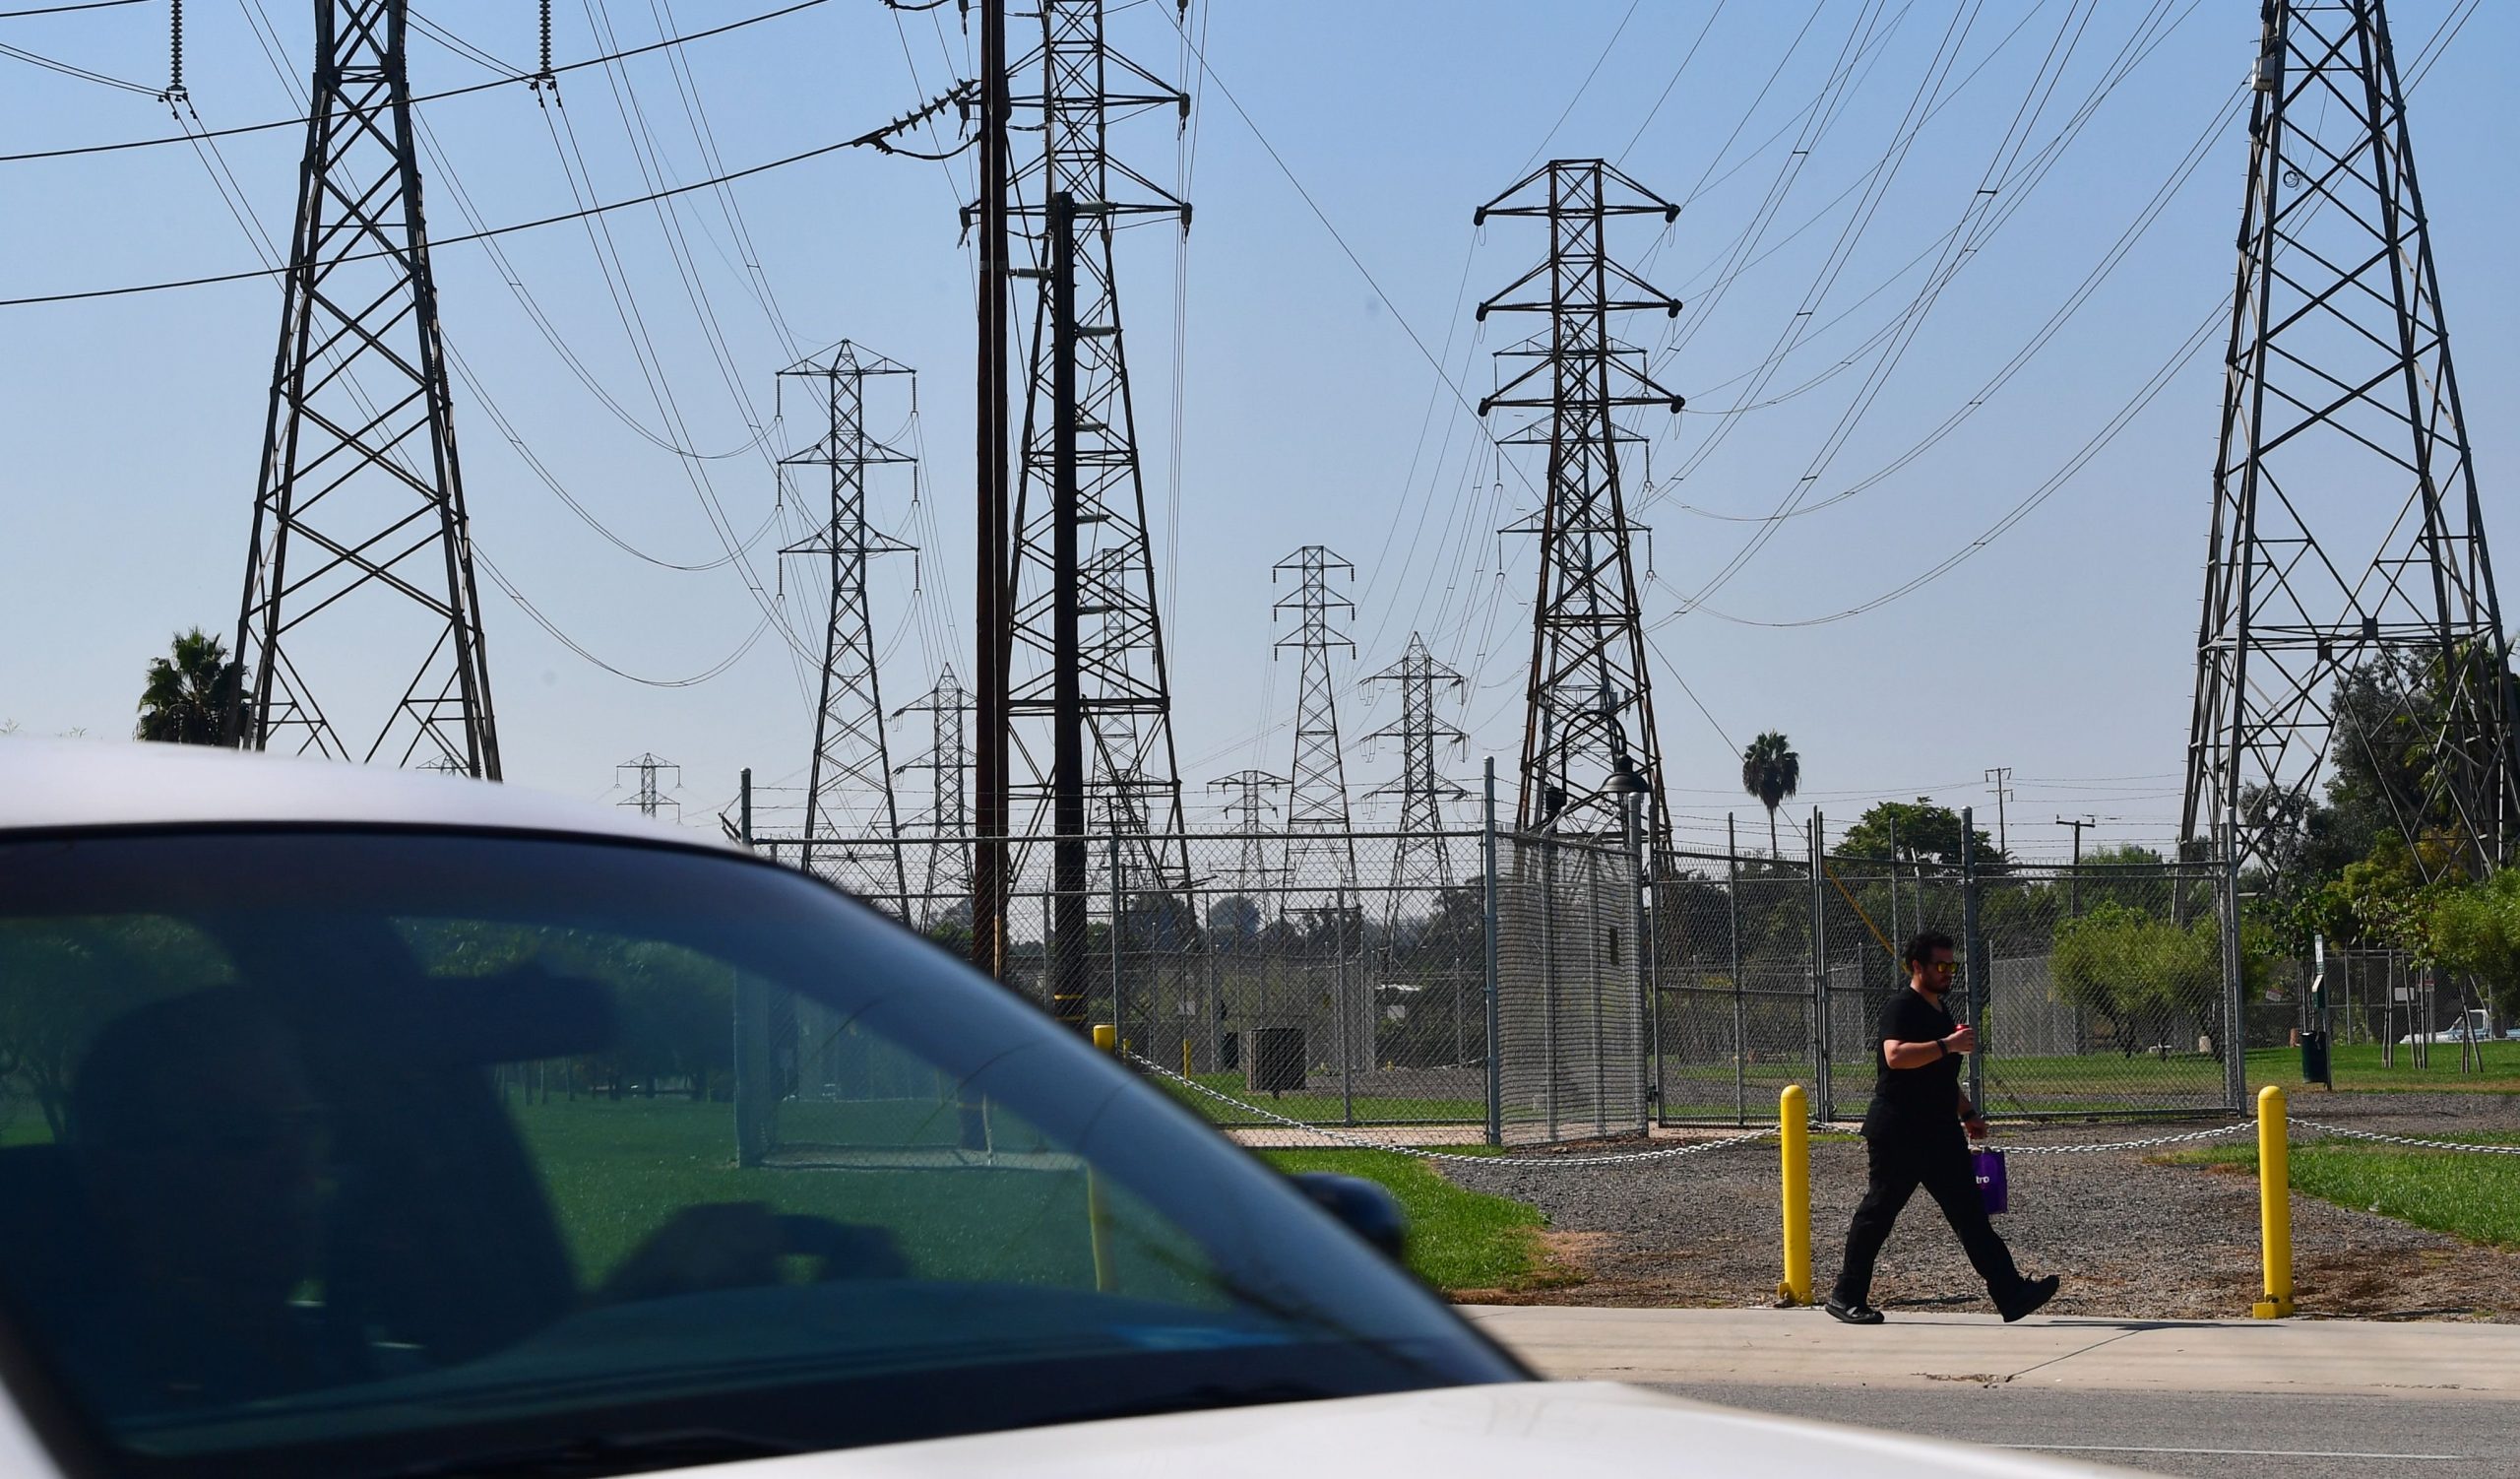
[(1366, 1207)]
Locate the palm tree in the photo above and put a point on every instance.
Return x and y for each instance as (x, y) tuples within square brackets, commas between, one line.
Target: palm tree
[(188, 693), (1770, 771)]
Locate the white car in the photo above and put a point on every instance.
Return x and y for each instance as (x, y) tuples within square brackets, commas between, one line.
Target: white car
[(369, 1125)]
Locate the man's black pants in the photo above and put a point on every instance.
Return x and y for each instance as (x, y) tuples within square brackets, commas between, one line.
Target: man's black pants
[(1900, 1161)]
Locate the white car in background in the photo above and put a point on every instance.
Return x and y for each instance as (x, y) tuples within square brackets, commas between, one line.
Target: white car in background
[(2475, 1027), (384, 1125)]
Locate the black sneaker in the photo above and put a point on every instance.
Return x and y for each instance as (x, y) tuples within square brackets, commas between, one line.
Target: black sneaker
[(1854, 1314), (2028, 1299)]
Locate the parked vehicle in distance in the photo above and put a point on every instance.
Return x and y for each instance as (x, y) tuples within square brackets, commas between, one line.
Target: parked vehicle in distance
[(2475, 1026), (372, 1125)]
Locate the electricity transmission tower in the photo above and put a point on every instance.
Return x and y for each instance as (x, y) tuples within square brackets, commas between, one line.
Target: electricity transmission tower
[(1249, 810), (1420, 861), (1321, 845), (852, 832), (358, 508), (647, 795), (947, 881), (1078, 86), (2350, 608), (1587, 730)]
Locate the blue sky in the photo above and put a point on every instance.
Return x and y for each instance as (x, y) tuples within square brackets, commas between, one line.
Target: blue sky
[(1295, 400)]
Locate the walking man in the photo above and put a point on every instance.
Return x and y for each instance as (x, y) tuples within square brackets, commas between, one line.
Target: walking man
[(1913, 1138)]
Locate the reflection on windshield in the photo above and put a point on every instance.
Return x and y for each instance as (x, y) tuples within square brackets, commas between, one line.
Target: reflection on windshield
[(489, 1144)]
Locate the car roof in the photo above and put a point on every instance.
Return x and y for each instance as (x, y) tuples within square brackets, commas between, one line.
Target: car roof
[(49, 785)]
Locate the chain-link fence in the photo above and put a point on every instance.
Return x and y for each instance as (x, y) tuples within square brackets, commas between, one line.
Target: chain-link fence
[(1332, 978), (1360, 977), (2094, 991)]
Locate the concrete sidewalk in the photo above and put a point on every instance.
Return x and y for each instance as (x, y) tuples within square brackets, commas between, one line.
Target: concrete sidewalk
[(1806, 1348)]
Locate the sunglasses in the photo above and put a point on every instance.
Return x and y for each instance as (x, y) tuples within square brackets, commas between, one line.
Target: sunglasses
[(1942, 965)]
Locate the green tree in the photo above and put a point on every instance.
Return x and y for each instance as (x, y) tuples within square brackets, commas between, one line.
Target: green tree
[(1917, 831), (189, 693), (2144, 974), (1771, 771)]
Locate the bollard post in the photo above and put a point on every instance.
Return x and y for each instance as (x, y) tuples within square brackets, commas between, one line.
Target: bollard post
[(1098, 1233), (1794, 1134), (1185, 1058), (2274, 1204)]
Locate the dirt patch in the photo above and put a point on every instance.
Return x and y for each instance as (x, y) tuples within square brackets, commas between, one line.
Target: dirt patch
[(2132, 1237)]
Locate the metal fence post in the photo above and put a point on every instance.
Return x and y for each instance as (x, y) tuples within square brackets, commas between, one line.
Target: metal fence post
[(1973, 953), (1342, 998), (1495, 1045), (1820, 965), (2234, 1002), (1548, 971), (1741, 1002), (1119, 1000)]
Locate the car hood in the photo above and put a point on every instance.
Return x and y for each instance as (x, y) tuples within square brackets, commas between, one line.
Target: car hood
[(1511, 1430)]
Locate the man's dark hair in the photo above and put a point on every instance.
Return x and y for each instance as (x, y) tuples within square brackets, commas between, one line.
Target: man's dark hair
[(1921, 948)]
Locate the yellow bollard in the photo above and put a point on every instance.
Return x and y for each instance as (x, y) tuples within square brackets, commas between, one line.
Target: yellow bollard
[(1185, 1058), (2274, 1204), (1794, 1134), (1097, 1218)]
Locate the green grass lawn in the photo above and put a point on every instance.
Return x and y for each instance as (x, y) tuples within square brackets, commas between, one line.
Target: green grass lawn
[(2358, 1067), (2470, 1196), (1458, 1239)]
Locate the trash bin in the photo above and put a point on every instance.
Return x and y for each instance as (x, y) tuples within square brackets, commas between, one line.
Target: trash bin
[(1276, 1060), (2315, 1068)]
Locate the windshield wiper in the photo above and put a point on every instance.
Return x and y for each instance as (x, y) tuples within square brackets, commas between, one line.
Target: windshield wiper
[(590, 1455)]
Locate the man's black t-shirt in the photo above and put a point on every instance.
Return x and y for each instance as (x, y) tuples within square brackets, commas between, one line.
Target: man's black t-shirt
[(1907, 1101)]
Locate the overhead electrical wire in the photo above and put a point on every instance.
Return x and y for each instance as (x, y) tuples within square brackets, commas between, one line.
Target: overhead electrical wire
[(63, 10), (34, 59), (2109, 430), (231, 191), (874, 139), (75, 151)]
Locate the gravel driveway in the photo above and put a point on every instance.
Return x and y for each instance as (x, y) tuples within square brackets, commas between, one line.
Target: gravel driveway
[(2132, 1237)]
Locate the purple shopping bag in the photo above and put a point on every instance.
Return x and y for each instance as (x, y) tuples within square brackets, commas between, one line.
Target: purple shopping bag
[(1989, 1166)]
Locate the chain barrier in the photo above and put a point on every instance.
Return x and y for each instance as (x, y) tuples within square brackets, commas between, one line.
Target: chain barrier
[(2419, 1144), (2144, 1144), (1421, 1152)]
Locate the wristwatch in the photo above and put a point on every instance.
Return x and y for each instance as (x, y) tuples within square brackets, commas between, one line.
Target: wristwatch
[(1943, 1046)]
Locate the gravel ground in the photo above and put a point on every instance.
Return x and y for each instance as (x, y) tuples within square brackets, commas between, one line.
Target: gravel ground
[(2132, 1237)]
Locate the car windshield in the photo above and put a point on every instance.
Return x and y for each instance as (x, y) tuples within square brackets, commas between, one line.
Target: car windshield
[(375, 1153)]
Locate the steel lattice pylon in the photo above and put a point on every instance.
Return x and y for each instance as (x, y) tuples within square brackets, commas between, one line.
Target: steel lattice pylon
[(1589, 710), (649, 797), (1420, 861), (1249, 810), (948, 882), (1079, 87), (2346, 530), (358, 511), (1321, 845), (853, 820)]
